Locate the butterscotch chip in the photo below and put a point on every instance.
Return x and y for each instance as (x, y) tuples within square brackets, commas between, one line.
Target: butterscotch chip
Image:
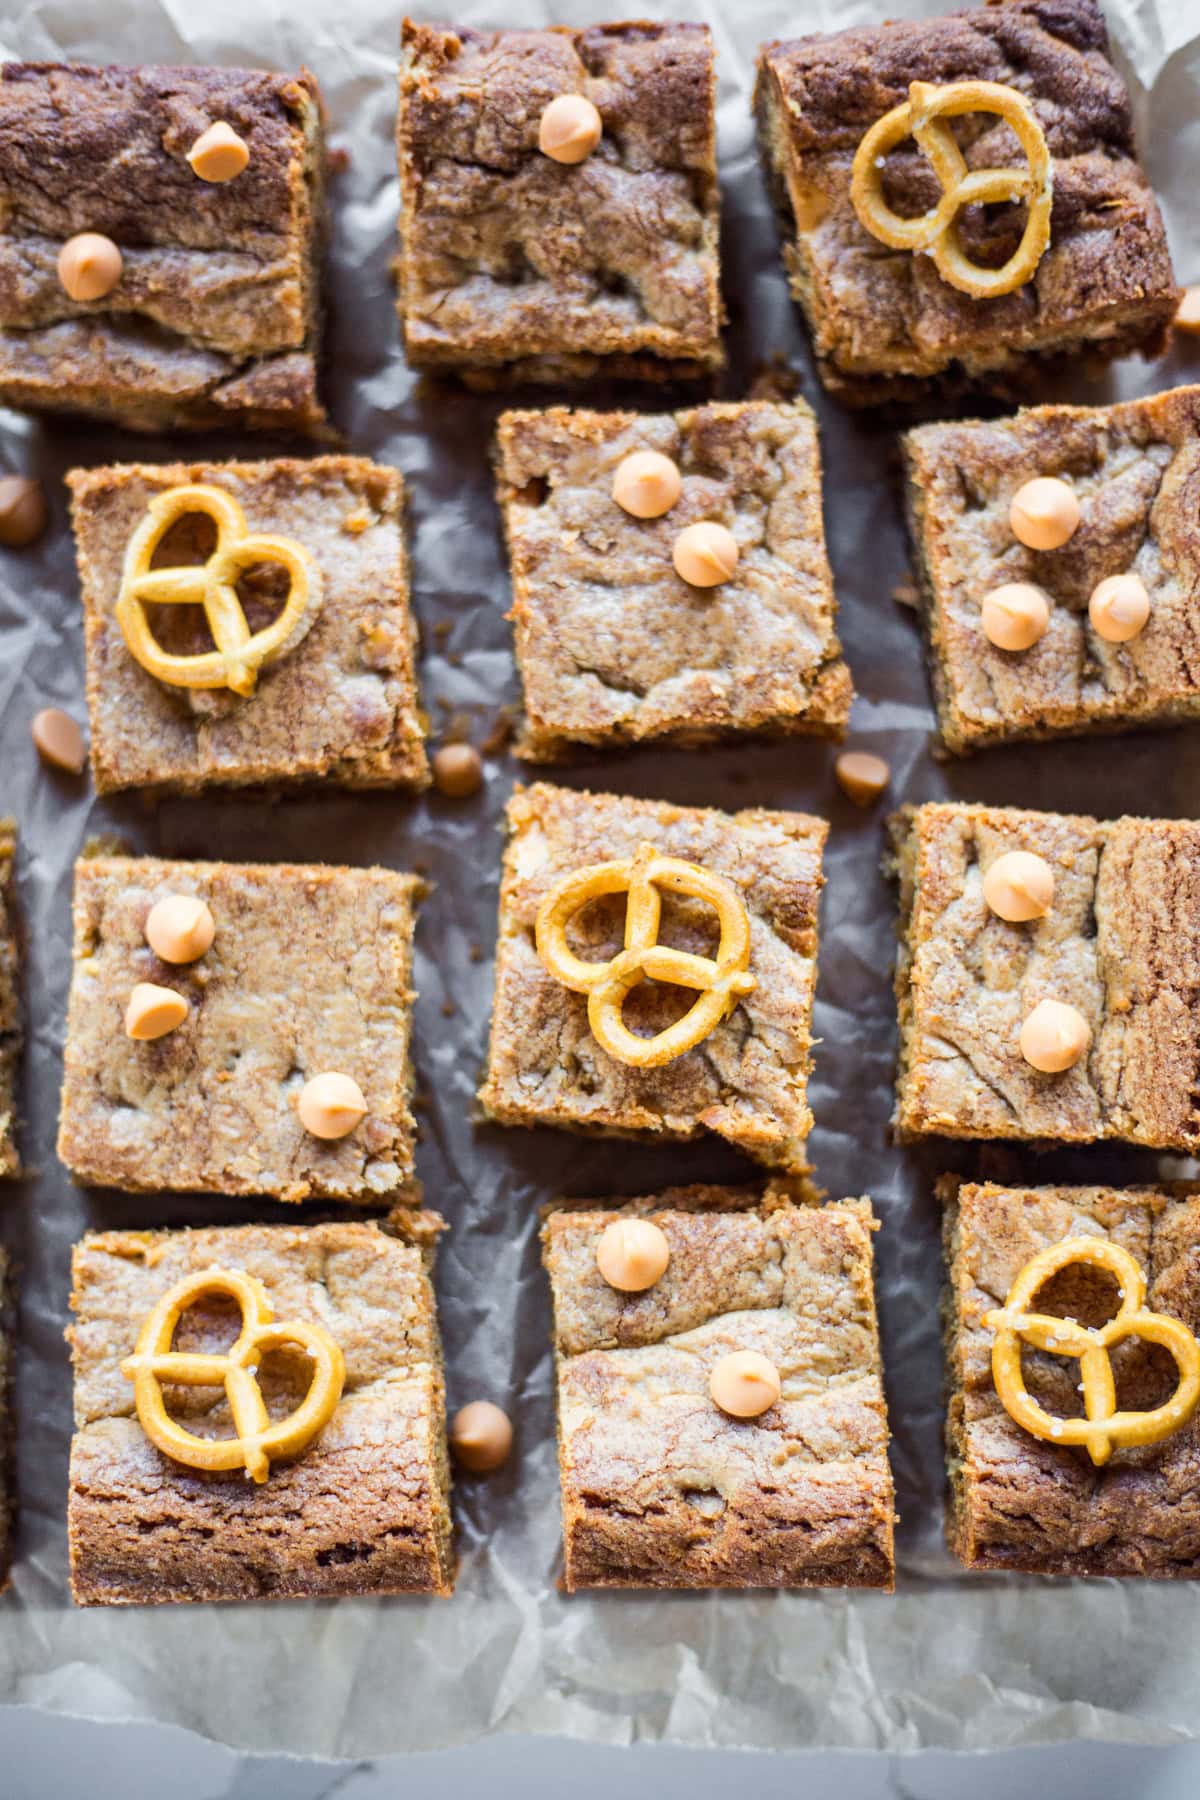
[(58, 740), (23, 511), (154, 1011), (1019, 886), (219, 154), (745, 1384), (705, 554), (481, 1436), (1014, 616), (180, 928), (457, 771), (331, 1105), (89, 266), (1044, 513), (1054, 1037), (861, 776), (647, 484), (632, 1254), (1187, 318), (1119, 608), (570, 129)]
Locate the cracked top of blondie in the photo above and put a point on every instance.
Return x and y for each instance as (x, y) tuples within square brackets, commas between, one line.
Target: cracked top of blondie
[(216, 310), (509, 257), (1135, 469), (614, 647), (309, 971), (884, 322), (341, 705), (364, 1507), (1121, 943), (1021, 1502), (660, 1488), (748, 1079)]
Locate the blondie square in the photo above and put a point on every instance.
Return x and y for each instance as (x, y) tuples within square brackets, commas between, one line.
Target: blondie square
[(519, 265), (748, 1079), (613, 646), (10, 1004), (341, 705), (1024, 1503), (884, 322), (661, 1488), (215, 316), (1120, 944), (309, 972), (364, 1508), (1132, 468)]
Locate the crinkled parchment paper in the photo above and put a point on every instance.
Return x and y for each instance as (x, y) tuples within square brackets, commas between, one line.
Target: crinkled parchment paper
[(969, 1663)]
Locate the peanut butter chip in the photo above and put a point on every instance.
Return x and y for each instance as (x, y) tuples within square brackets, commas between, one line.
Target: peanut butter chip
[(58, 740), (1054, 1037), (570, 129), (632, 1254), (744, 1384), (481, 1437), (23, 511), (153, 1011), (1044, 513), (89, 266), (646, 484), (457, 771), (1014, 616), (705, 554), (218, 154), (1188, 316), (1019, 886), (1119, 608), (331, 1105), (180, 928), (861, 776)]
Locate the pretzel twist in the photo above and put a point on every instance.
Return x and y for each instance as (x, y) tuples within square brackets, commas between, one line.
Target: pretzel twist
[(239, 653), (719, 983), (257, 1440), (923, 116), (1104, 1428)]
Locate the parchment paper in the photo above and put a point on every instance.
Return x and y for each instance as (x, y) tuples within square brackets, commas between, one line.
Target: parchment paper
[(951, 1660)]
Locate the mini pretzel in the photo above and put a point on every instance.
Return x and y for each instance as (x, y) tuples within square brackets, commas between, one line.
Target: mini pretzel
[(239, 653), (1104, 1428), (235, 1369), (922, 116), (719, 983)]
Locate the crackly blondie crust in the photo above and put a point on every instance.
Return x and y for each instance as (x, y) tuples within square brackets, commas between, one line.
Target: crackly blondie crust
[(216, 316), (1120, 943), (341, 706), (310, 971), (363, 1509), (1135, 468), (1018, 1502), (662, 1489), (748, 1079), (884, 323), (10, 1003), (514, 264), (614, 648)]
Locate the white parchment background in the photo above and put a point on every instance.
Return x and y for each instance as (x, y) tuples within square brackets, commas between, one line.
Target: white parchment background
[(953, 1661)]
